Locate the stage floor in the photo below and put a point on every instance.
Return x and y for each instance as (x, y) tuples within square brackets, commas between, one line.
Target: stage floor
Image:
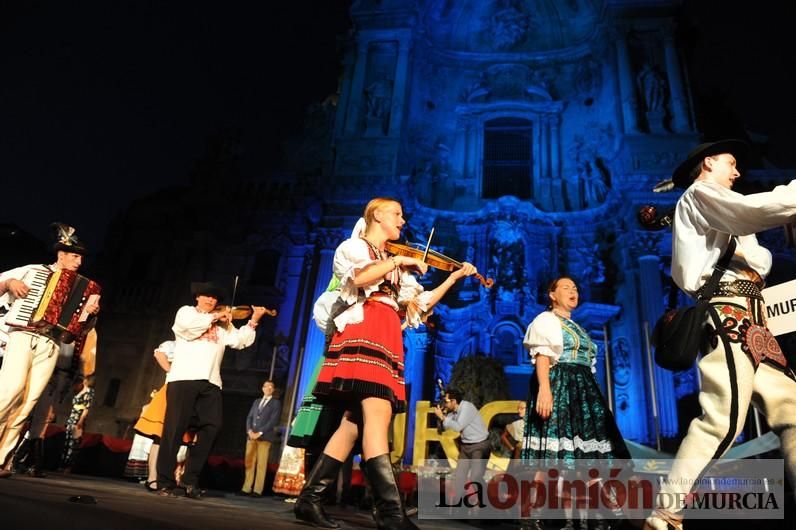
[(31, 503), (40, 503)]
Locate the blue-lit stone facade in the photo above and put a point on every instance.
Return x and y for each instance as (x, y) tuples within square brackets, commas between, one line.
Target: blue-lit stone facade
[(527, 133)]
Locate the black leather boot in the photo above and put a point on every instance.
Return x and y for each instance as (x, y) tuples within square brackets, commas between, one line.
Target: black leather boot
[(308, 506), (37, 455), (22, 456), (388, 508)]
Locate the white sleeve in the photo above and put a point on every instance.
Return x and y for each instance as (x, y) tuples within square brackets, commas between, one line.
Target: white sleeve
[(15, 274), (167, 347), (351, 257), (413, 294), (730, 212), (322, 309), (544, 337), (12, 274), (190, 324), (239, 338)]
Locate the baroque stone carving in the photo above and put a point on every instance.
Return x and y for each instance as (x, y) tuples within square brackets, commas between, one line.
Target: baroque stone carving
[(620, 359), (590, 165), (588, 77), (508, 26), (510, 82), (507, 260)]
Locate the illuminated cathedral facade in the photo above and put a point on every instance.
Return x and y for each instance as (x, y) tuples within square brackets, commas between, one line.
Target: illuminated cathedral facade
[(527, 133)]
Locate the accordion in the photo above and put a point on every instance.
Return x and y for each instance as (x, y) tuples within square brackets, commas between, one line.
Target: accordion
[(55, 304)]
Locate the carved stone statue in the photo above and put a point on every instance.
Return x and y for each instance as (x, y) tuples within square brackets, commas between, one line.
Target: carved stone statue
[(595, 187), (377, 96), (652, 86), (378, 99), (591, 172)]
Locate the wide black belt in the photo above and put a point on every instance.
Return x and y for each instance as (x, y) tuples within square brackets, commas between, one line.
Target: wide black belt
[(744, 288)]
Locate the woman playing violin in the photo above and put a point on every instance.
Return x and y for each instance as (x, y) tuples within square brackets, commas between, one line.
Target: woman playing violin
[(363, 371)]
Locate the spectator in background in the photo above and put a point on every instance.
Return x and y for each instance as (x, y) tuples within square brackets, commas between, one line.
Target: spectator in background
[(261, 433), (81, 404)]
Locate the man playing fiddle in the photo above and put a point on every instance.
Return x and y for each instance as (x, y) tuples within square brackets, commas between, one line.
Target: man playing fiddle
[(194, 382)]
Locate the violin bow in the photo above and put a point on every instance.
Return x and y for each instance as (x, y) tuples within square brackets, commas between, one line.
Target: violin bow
[(428, 244), (234, 291)]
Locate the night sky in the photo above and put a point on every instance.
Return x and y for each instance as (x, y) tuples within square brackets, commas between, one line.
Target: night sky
[(100, 96)]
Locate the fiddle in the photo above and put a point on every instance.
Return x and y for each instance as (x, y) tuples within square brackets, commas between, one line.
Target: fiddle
[(240, 312), (433, 259)]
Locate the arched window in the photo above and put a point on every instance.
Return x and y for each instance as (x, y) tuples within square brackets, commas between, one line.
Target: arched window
[(508, 161)]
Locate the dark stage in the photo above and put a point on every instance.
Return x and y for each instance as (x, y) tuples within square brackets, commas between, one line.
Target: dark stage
[(28, 503)]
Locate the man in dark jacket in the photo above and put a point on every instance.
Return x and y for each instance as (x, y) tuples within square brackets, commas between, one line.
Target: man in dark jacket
[(261, 432)]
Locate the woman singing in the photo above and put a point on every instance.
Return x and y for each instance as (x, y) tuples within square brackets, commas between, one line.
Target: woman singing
[(568, 419), (363, 370)]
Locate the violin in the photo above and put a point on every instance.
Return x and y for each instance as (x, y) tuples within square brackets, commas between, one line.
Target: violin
[(241, 312), (433, 259)]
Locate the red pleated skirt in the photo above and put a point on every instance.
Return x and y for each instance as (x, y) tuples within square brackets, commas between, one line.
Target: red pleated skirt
[(365, 360)]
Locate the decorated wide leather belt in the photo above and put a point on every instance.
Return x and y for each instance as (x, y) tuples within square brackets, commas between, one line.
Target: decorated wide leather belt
[(745, 288)]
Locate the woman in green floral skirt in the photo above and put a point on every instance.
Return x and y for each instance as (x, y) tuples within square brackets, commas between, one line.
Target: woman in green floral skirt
[(567, 417)]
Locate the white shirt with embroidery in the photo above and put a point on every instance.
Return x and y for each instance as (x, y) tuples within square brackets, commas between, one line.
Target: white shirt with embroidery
[(708, 214), (353, 255), (199, 346)]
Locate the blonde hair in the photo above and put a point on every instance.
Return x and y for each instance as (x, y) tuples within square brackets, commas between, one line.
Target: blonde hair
[(376, 204)]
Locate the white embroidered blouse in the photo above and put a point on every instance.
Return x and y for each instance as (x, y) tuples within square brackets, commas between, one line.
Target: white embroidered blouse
[(353, 255)]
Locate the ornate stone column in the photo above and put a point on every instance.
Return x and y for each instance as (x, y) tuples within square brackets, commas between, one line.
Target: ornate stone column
[(555, 169), (544, 146), (357, 86), (345, 94), (627, 89), (399, 86), (678, 103), (651, 292)]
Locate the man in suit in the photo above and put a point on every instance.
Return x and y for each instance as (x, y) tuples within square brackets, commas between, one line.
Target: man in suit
[(260, 430)]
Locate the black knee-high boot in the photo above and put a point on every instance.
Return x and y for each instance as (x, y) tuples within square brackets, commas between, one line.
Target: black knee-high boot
[(388, 508), (22, 456), (308, 505), (37, 454)]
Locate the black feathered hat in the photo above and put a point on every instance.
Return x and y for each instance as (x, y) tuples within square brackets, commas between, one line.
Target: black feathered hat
[(682, 177), (66, 240)]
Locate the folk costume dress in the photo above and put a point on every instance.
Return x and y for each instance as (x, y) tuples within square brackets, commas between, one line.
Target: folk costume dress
[(150, 423), (581, 425), (365, 357), (82, 401), (314, 423)]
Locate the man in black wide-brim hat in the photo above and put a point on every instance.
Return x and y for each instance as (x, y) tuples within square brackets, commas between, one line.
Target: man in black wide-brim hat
[(30, 354), (745, 361), (202, 332)]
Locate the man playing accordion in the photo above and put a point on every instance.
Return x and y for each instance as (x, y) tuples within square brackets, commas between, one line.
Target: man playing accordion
[(32, 351)]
